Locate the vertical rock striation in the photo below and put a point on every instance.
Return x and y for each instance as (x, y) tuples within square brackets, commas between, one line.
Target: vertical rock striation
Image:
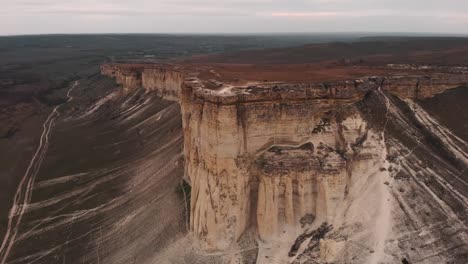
[(166, 83), (282, 158), (163, 80)]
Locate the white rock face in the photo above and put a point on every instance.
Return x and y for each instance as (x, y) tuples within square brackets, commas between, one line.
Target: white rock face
[(271, 165), (322, 174), (166, 83)]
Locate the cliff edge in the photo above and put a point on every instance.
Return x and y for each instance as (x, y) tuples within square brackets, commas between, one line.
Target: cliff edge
[(315, 169)]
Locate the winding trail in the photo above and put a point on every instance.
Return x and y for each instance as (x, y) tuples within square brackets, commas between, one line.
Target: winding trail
[(25, 187)]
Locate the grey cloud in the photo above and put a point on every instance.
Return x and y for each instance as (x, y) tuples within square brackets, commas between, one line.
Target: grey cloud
[(69, 16)]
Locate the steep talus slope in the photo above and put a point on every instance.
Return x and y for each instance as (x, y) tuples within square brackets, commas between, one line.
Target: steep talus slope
[(448, 111), (428, 186), (110, 188)]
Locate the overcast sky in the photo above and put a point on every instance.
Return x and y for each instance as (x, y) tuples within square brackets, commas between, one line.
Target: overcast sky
[(231, 16)]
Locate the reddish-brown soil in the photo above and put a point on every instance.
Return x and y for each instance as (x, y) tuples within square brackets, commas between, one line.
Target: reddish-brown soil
[(328, 62), (311, 72), (440, 51), (286, 72)]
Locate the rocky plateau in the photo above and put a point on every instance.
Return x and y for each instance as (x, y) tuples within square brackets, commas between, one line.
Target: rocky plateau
[(349, 170)]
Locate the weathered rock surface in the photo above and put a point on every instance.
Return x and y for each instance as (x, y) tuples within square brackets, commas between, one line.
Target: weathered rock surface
[(164, 81), (270, 156)]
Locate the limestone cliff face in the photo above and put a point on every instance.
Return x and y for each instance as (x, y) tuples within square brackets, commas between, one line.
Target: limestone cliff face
[(423, 86), (167, 80), (128, 77), (264, 164), (164, 81), (281, 158)]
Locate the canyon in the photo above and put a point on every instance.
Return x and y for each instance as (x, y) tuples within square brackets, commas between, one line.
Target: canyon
[(343, 170)]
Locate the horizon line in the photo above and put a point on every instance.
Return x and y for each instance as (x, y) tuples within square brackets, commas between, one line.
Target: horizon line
[(372, 33)]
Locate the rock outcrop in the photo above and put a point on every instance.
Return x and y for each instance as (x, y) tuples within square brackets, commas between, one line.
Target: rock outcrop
[(128, 76), (163, 80), (283, 158), (264, 162)]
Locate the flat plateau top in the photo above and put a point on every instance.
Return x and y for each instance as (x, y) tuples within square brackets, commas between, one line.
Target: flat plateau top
[(337, 61), (321, 64)]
